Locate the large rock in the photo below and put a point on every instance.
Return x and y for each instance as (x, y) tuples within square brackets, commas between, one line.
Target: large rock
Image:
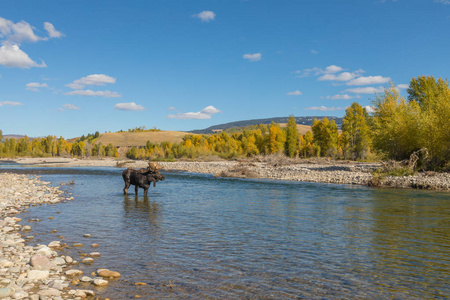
[(40, 262), (51, 292), (74, 272), (44, 250), (100, 282), (4, 263), (35, 275), (6, 292), (107, 273)]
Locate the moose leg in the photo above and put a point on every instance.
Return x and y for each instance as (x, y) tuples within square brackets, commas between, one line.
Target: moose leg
[(127, 185), (136, 189), (145, 191)]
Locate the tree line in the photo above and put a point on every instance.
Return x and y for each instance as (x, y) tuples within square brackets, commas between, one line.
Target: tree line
[(396, 128), (53, 146)]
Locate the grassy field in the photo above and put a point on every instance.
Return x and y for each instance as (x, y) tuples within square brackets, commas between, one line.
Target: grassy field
[(129, 139), (302, 129)]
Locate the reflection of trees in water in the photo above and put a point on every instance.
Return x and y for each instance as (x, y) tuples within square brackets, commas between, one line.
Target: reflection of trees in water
[(142, 212), (410, 239)]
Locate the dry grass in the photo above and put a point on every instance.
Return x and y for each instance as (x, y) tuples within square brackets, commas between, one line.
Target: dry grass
[(123, 139), (302, 129)]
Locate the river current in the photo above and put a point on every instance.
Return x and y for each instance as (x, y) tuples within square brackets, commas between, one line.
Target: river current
[(199, 237)]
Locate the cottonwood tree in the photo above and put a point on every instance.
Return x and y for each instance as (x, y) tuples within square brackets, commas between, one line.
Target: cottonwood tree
[(291, 138), (356, 131)]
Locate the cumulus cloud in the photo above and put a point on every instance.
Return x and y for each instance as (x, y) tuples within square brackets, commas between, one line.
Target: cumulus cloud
[(345, 76), (13, 34), (205, 113), (369, 109), (294, 93), (34, 86), (205, 16), (445, 2), (11, 56), (172, 108), (314, 52), (94, 79), (210, 110), (10, 103), (332, 69), (324, 108), (342, 97), (368, 80), (52, 32), (403, 86), (129, 106), (365, 90), (106, 94), (252, 57)]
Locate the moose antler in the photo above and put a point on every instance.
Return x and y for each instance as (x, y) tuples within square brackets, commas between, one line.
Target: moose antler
[(154, 166)]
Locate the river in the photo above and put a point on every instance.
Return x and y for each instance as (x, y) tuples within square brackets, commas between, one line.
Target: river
[(199, 237)]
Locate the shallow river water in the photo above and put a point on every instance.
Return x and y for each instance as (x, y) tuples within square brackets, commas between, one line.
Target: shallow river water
[(199, 237)]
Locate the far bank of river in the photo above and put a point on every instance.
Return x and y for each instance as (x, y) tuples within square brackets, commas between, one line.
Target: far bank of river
[(326, 171)]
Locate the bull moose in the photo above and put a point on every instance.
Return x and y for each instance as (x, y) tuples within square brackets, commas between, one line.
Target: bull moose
[(142, 178)]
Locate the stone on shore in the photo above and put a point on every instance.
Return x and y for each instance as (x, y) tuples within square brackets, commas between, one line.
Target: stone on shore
[(6, 292), (74, 272), (108, 273), (40, 262), (35, 275), (100, 282)]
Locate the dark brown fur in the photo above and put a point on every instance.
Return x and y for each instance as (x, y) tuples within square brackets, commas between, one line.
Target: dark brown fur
[(140, 179)]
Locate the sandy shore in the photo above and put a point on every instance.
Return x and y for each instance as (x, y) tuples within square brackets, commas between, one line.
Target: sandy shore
[(340, 172), (30, 271)]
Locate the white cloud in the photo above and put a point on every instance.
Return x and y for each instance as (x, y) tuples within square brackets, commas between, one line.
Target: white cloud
[(172, 108), (12, 35), (34, 86), (332, 69), (342, 97), (294, 93), (365, 90), (314, 52), (129, 106), (10, 103), (205, 16), (210, 110), (205, 113), (402, 86), (369, 109), (70, 106), (12, 56), (106, 94), (17, 32), (52, 32), (94, 79), (345, 76), (252, 57), (445, 2), (368, 80), (324, 108)]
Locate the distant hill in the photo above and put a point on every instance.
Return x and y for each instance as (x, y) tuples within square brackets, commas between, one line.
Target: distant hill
[(308, 121), (12, 136), (129, 139)]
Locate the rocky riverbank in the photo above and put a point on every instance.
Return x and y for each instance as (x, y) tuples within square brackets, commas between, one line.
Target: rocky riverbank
[(35, 272), (324, 171)]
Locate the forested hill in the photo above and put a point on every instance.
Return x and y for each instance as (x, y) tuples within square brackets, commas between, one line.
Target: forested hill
[(299, 120)]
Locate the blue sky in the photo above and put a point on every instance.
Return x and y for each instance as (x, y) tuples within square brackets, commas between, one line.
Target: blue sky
[(72, 68)]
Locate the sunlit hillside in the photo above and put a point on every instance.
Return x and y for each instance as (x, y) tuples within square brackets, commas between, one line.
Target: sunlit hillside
[(121, 139)]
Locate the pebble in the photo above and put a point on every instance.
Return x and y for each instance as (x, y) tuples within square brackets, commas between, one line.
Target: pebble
[(108, 273)]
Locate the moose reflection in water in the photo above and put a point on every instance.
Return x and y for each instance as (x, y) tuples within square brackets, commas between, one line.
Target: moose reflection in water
[(142, 178)]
